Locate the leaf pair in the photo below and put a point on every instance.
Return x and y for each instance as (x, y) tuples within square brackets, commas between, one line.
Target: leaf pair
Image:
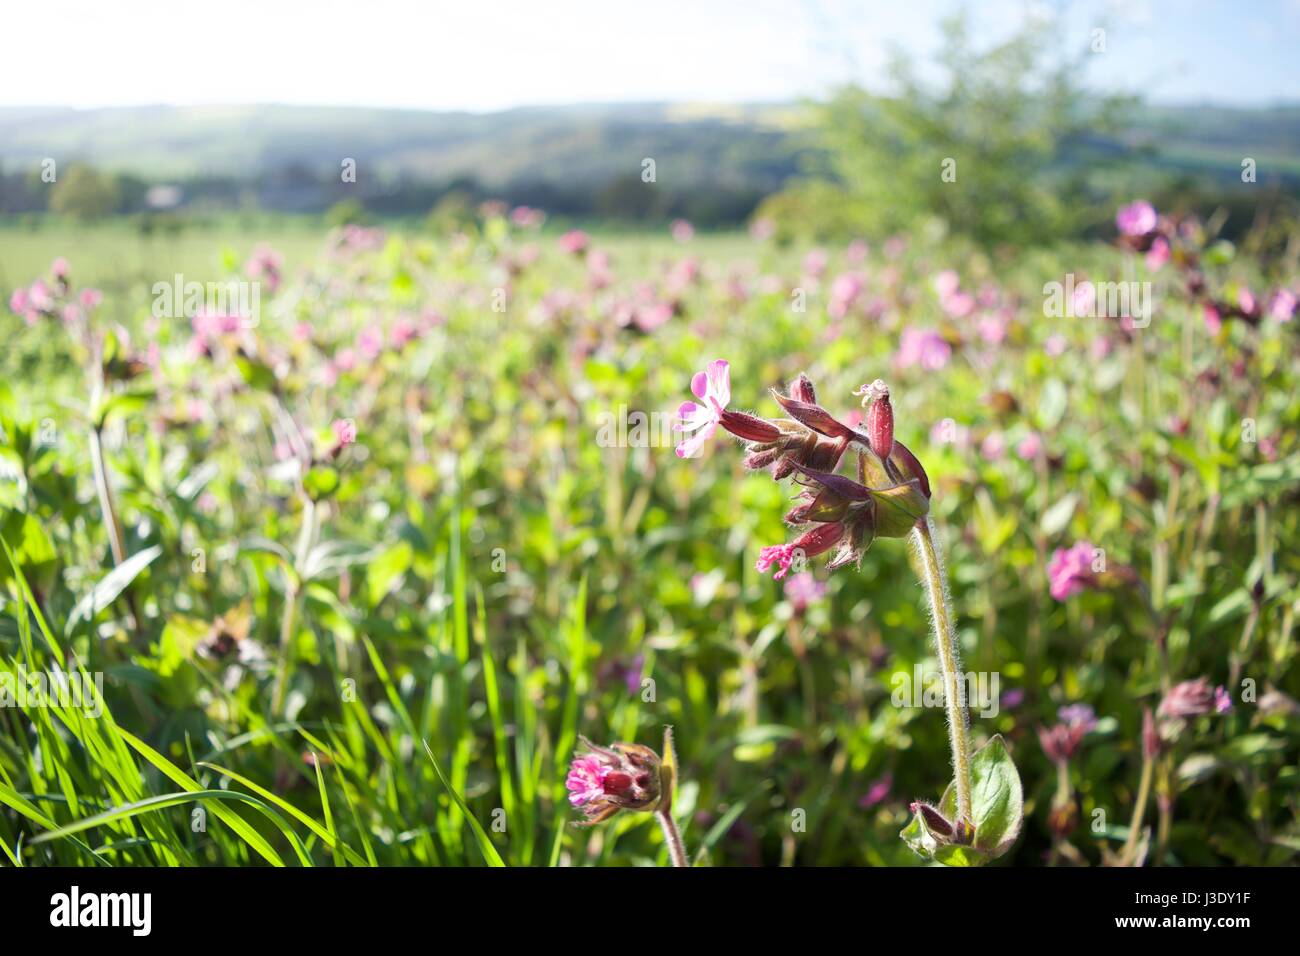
[(997, 808)]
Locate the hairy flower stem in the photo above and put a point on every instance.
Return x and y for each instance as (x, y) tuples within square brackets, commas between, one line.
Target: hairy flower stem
[(664, 811), (945, 638), (1139, 811), (673, 837)]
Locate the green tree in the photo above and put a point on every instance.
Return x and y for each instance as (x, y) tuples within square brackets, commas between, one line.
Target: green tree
[(85, 193), (998, 148)]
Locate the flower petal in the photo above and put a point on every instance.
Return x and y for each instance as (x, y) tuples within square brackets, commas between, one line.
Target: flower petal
[(699, 384), (719, 376), (690, 448)]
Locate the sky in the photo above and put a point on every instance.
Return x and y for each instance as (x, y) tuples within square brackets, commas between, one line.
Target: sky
[(483, 55)]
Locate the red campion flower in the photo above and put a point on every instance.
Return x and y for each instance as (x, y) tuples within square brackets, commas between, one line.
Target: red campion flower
[(605, 780)]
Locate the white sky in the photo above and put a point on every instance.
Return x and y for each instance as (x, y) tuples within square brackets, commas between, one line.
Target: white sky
[(491, 54)]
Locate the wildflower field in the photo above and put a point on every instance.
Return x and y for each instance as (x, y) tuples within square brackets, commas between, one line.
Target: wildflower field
[(346, 571)]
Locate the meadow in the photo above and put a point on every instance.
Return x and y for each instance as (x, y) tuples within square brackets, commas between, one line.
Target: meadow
[(348, 583)]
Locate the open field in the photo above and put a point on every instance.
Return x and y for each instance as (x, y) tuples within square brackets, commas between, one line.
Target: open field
[(412, 503)]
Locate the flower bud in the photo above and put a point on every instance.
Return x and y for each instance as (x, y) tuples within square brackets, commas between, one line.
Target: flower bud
[(749, 427), (908, 466), (802, 389), (761, 458), (1191, 698), (880, 418), (935, 822), (1150, 737), (813, 416), (1062, 818)]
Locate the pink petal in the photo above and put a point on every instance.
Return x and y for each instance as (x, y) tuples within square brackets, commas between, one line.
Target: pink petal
[(691, 446), (719, 376)]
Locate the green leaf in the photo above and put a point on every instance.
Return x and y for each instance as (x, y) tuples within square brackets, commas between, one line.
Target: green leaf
[(106, 591), (490, 855), (242, 827), (257, 374), (320, 482), (385, 571), (1056, 518), (997, 802), (1052, 403), (954, 854), (123, 404), (919, 838)]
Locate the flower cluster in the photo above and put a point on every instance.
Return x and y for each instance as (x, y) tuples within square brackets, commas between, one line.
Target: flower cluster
[(54, 298), (1166, 239), (891, 493)]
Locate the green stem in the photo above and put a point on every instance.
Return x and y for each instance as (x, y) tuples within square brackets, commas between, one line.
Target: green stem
[(673, 837), (1139, 811), (306, 539), (116, 539), (936, 587)]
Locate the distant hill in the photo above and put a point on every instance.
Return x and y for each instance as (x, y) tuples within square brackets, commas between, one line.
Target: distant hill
[(1206, 138), (715, 161), (592, 143)]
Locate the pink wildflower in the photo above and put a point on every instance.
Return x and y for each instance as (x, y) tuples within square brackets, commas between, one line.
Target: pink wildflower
[(604, 780), (1136, 219), (993, 447), (1282, 305), (1213, 320), (39, 296), (1158, 254), (992, 329), (264, 265), (1030, 447), (923, 347), (811, 543), (803, 590), (370, 342), (1060, 742), (713, 388), (1070, 570), (19, 301), (946, 283), (345, 360), (877, 791), (345, 431), (1194, 698), (586, 780), (844, 292), (814, 263), (574, 241), (958, 305)]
